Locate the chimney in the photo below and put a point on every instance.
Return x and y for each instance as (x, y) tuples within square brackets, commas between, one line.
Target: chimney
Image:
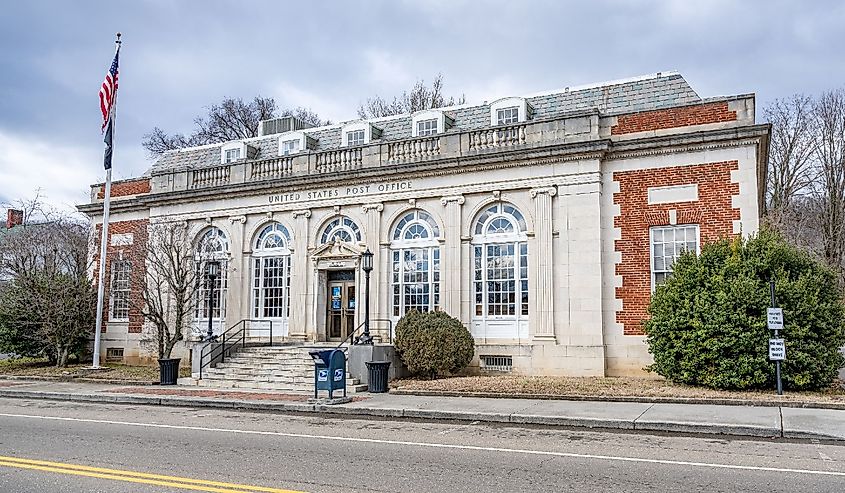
[(14, 217)]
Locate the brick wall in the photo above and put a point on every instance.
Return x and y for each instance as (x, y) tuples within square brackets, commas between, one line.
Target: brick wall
[(136, 253), (673, 117), (126, 188), (712, 212)]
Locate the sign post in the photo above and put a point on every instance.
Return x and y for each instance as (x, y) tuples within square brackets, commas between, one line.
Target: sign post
[(777, 346)]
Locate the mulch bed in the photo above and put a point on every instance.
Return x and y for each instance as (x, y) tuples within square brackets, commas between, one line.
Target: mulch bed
[(219, 394), (607, 388)]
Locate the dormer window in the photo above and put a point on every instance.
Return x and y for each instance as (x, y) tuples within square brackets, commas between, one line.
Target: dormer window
[(510, 111), (429, 122), (232, 152), (289, 147), (359, 133), (295, 142), (426, 127), (507, 116), (355, 138), (231, 155)]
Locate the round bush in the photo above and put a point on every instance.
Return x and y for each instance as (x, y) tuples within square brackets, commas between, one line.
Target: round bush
[(433, 343), (708, 320)]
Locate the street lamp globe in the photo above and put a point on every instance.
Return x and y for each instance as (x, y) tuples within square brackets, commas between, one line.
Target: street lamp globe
[(367, 261)]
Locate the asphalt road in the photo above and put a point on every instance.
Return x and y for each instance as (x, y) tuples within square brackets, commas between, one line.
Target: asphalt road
[(107, 448)]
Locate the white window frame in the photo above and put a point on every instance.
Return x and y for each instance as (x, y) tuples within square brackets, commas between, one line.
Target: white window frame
[(290, 146), (518, 239), (263, 255), (337, 225), (299, 137), (443, 122), (231, 146), (667, 269), (370, 133), (426, 128), (120, 304), (352, 139), (400, 247), (221, 284), (522, 107)]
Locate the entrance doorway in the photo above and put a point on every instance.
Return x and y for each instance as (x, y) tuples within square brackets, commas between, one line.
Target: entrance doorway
[(341, 304)]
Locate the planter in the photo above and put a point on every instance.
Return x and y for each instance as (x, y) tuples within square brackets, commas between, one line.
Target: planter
[(169, 371)]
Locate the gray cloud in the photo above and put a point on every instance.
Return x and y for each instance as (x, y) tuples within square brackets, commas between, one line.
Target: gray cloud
[(178, 57)]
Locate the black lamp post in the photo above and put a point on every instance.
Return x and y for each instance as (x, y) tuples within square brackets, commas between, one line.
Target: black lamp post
[(367, 265), (212, 271)]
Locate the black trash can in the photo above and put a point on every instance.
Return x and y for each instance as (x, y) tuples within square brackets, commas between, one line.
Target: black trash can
[(377, 376), (168, 371)]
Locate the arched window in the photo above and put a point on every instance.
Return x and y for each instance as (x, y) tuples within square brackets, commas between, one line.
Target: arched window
[(341, 228), (212, 244), (500, 274), (415, 255), (271, 273)]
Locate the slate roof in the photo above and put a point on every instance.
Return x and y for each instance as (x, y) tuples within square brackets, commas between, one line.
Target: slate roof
[(627, 96)]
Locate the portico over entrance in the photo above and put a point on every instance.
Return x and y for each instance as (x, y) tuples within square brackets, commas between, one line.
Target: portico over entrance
[(337, 268)]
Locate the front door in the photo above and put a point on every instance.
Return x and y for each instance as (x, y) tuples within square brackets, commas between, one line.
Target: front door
[(341, 305)]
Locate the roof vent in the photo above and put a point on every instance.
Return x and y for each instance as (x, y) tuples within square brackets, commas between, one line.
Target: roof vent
[(280, 125)]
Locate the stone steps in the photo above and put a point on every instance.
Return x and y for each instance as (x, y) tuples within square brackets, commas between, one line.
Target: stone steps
[(285, 368)]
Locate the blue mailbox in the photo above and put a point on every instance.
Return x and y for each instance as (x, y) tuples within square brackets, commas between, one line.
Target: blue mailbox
[(329, 371)]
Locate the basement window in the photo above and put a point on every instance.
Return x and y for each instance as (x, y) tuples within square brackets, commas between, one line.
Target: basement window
[(496, 363), (114, 354)]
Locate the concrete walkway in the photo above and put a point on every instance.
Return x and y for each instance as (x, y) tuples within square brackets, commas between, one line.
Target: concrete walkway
[(786, 422)]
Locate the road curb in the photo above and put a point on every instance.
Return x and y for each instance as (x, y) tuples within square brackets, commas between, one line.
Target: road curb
[(428, 414), (643, 400)]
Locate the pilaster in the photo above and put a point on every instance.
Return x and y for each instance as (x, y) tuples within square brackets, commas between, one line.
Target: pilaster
[(544, 328), (450, 270), (373, 236), (236, 308), (299, 300)]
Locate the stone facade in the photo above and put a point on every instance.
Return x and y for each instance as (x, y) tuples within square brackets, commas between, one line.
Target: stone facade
[(533, 230)]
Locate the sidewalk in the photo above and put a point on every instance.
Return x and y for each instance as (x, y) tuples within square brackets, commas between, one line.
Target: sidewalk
[(787, 422)]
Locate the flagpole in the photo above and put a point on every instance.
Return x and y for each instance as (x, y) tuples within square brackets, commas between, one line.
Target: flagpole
[(104, 236)]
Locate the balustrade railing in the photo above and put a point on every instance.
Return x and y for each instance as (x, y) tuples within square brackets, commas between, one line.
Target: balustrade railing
[(209, 177), (338, 160), (490, 138), (413, 150), (271, 168)]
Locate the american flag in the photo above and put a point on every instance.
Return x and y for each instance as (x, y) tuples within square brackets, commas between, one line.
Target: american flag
[(108, 91)]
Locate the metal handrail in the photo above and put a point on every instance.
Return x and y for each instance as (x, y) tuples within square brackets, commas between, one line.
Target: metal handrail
[(354, 342), (229, 339)]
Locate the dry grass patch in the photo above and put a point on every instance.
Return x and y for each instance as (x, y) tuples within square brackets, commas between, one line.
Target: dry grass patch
[(30, 367), (607, 387)]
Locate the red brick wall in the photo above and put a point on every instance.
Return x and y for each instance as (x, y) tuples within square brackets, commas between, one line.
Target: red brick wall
[(136, 252), (712, 212), (126, 188), (673, 117)]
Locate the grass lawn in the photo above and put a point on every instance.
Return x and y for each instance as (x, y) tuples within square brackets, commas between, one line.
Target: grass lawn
[(604, 387), (28, 367)]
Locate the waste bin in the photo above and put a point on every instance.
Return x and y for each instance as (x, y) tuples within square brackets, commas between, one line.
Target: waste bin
[(168, 371), (377, 376), (329, 371)]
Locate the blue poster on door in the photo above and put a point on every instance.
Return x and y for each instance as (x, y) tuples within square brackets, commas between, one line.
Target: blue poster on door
[(335, 297)]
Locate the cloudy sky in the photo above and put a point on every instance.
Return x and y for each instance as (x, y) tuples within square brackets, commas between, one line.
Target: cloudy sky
[(178, 57)]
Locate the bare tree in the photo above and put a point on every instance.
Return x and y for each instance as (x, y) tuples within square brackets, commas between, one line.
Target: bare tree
[(790, 154), (421, 97), (828, 130), (169, 286), (47, 302), (232, 119)]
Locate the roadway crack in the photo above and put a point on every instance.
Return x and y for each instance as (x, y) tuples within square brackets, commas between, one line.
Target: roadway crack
[(641, 415), (780, 415)]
